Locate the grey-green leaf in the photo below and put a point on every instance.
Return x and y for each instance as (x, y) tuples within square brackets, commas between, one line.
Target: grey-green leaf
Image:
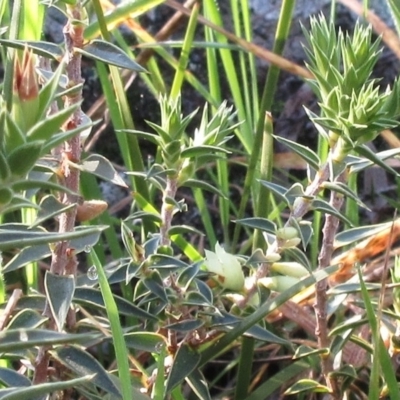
[(16, 339), (11, 378), (144, 341), (303, 151), (101, 167), (36, 392), (185, 362), (60, 291), (83, 364), (262, 224), (19, 235), (108, 53), (45, 49)]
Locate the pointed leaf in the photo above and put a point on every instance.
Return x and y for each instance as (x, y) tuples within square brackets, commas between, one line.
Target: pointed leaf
[(185, 362), (60, 291), (22, 159), (344, 189), (196, 183), (204, 150), (144, 341), (154, 283), (26, 256), (186, 326), (278, 190), (19, 236), (101, 167), (51, 125), (307, 385), (263, 224), (325, 207), (25, 319), (164, 261), (11, 378), (45, 49), (355, 234), (303, 151), (50, 207), (93, 297), (375, 158), (17, 339), (109, 53), (83, 364), (38, 391), (198, 384)]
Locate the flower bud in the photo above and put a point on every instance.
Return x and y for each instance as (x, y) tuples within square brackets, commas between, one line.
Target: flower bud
[(286, 233), (293, 269), (273, 257), (226, 267), (26, 91), (278, 283)]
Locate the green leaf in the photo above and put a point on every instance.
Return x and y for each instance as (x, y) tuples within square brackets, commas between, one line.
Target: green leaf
[(50, 207), (92, 297), (37, 391), (109, 53), (189, 325), (355, 234), (22, 159), (52, 124), (185, 362), (204, 150), (305, 351), (198, 384), (358, 164), (196, 183), (17, 339), (26, 256), (307, 385), (59, 291), (26, 319), (376, 158), (165, 261), (304, 152), (19, 236), (278, 190), (325, 207), (98, 165), (144, 341), (155, 284), (11, 378), (184, 229), (12, 136), (263, 224), (83, 364), (48, 92), (45, 49), (279, 380), (344, 189)]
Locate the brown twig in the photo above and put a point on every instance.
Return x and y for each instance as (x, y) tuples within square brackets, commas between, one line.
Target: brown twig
[(63, 258), (324, 260)]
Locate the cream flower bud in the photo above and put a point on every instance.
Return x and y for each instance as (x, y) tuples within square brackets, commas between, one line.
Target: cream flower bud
[(287, 233), (227, 268), (293, 269), (278, 283)]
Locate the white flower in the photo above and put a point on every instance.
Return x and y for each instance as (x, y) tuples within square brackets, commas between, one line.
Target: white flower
[(226, 267)]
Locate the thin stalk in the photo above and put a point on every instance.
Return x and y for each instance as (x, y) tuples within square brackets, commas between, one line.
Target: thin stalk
[(63, 260), (263, 204), (282, 32), (167, 209), (321, 298)]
